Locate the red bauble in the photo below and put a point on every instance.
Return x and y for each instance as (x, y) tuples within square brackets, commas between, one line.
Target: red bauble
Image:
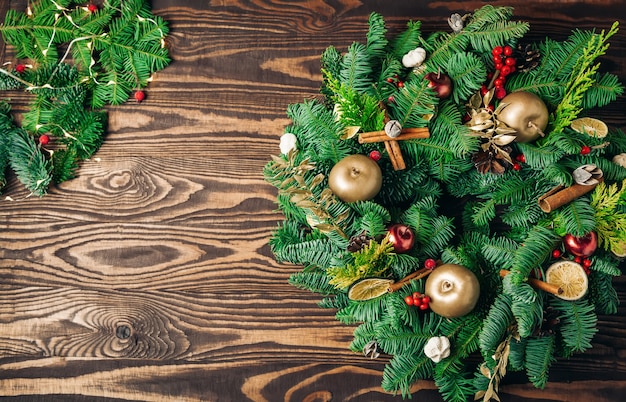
[(441, 83), (401, 237), (583, 246)]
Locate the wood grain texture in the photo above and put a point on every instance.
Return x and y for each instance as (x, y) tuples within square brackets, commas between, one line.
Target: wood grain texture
[(149, 276)]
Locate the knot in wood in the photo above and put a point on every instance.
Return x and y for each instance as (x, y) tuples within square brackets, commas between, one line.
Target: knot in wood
[(122, 331)]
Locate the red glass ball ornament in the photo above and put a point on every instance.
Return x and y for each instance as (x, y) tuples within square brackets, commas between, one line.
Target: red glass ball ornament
[(401, 237), (583, 246)]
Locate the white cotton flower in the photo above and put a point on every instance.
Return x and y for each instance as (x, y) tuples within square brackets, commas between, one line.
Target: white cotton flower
[(414, 58), (437, 348), (287, 143), (620, 160)]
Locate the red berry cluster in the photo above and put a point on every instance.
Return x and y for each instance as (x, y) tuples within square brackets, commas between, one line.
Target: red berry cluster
[(418, 300), (396, 81), (519, 159), (586, 262), (505, 65)]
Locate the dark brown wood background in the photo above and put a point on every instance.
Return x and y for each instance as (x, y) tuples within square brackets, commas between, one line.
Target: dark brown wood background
[(149, 276)]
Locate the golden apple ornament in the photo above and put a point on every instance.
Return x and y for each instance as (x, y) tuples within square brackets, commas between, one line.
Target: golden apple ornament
[(453, 290), (355, 178), (526, 113)]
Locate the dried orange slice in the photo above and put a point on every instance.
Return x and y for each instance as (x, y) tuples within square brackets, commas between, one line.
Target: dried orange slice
[(589, 125), (369, 288), (569, 276), (619, 249)]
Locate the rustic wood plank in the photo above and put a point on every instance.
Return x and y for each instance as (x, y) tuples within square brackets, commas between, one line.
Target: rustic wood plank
[(149, 276)]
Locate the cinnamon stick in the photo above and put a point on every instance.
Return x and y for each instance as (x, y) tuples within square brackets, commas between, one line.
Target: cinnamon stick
[(419, 274), (558, 196), (395, 155), (538, 284), (406, 134)]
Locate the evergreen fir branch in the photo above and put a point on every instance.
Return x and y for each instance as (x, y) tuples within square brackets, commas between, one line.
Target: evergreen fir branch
[(577, 323), (466, 71), (29, 163), (314, 281), (538, 247), (499, 251), (540, 157), (454, 136), (577, 217), (528, 314), (486, 15), (404, 370), (413, 105), (451, 381), (407, 185), (602, 293), (496, 33), (320, 135), (522, 215), (517, 354), (356, 71), (64, 164), (605, 264), (403, 340), (335, 302), (316, 252), (443, 232), (539, 358), (403, 264), (7, 129), (495, 325), (364, 311), (407, 40), (484, 212), (605, 89), (376, 41), (441, 47)]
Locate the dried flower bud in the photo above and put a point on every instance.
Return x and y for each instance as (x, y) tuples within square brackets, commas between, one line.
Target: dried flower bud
[(414, 57), (287, 143), (437, 348)]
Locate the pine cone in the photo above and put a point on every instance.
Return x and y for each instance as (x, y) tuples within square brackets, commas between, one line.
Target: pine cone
[(358, 242), (527, 57), (550, 323), (491, 161)]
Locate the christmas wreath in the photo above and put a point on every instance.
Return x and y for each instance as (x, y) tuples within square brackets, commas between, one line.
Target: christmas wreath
[(75, 59), (452, 194)]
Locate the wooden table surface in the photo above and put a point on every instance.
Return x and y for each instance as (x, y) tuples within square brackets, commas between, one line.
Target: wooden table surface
[(149, 276)]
